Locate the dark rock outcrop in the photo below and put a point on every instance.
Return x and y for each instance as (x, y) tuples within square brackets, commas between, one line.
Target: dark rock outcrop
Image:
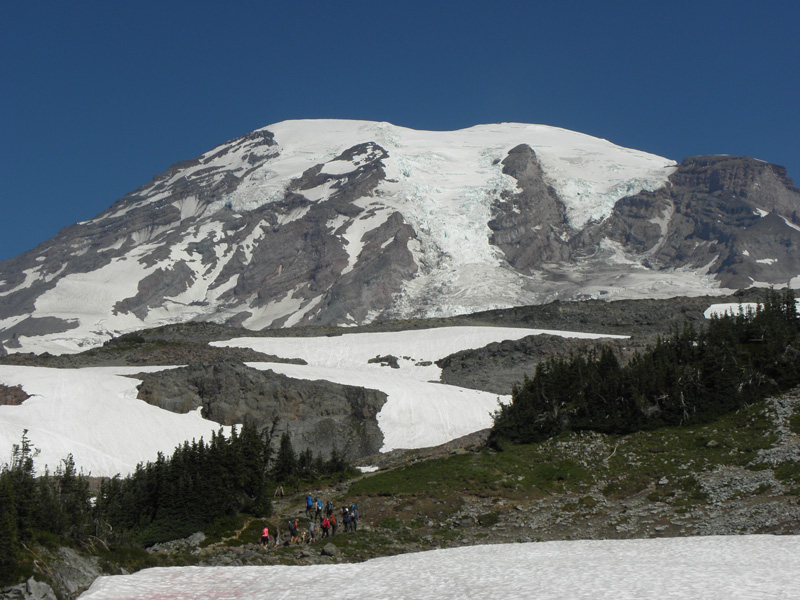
[(317, 414), (12, 395), (737, 217), (530, 227)]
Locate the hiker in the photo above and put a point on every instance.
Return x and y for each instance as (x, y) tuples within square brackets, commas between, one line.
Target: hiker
[(312, 531), (333, 524), (318, 515), (346, 519), (329, 509), (353, 517), (265, 538), (309, 507), (293, 532), (326, 525), (277, 537)]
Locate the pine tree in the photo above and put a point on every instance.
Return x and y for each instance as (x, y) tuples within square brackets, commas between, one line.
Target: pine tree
[(689, 377), (9, 543), (285, 465), (24, 485)]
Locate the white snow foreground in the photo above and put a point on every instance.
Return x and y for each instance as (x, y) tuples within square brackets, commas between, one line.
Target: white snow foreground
[(93, 414), (419, 412), (707, 568)]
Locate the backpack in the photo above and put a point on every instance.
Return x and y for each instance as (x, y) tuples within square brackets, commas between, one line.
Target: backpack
[(319, 505), (309, 502), (329, 506)]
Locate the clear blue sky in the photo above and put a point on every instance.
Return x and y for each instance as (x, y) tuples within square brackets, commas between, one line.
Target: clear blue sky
[(97, 97)]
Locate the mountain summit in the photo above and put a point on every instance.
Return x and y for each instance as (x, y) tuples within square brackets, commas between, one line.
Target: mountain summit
[(335, 222)]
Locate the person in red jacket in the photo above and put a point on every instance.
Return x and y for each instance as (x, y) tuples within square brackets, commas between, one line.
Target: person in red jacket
[(265, 537), (326, 525)]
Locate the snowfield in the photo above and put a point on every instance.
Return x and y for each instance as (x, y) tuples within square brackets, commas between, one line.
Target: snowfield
[(419, 411), (94, 413), (701, 568)]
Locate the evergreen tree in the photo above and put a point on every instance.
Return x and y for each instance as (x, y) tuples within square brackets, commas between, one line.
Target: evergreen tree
[(692, 376), (21, 478), (285, 465), (9, 542), (73, 496)]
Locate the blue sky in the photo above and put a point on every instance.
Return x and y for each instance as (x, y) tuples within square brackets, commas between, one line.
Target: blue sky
[(98, 97)]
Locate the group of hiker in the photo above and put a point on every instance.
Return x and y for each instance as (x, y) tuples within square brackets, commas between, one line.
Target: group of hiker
[(322, 522)]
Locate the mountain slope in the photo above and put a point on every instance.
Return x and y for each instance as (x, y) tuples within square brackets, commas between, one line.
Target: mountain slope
[(345, 222)]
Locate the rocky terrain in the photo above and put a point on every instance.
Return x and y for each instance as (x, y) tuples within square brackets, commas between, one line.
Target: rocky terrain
[(737, 475), (722, 490)]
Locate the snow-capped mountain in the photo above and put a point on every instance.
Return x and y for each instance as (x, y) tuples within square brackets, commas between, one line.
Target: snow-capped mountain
[(344, 222)]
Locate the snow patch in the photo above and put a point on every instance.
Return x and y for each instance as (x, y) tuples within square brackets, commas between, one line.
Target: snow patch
[(733, 309), (740, 567), (125, 431), (790, 224), (264, 316), (730, 309), (189, 207)]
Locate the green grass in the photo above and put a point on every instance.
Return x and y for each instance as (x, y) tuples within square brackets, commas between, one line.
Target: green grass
[(789, 474), (518, 471), (794, 423), (131, 559), (662, 462), (223, 528)]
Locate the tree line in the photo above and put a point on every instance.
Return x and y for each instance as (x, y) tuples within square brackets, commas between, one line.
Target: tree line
[(162, 500), (691, 376)]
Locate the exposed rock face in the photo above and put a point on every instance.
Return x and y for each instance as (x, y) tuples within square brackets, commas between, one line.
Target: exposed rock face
[(497, 367), (30, 590), (530, 227), (734, 216), (69, 573), (318, 414)]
